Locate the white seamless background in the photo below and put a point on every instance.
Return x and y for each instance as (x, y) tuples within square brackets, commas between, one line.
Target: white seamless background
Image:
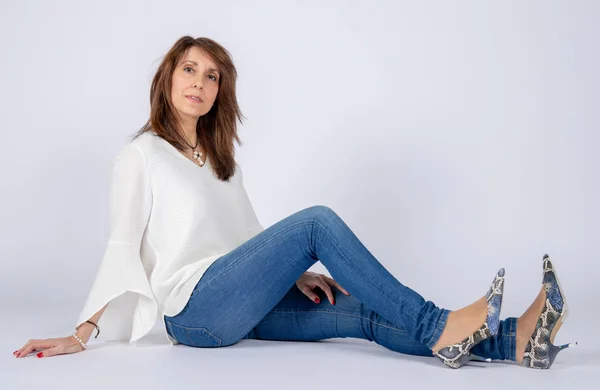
[(454, 138)]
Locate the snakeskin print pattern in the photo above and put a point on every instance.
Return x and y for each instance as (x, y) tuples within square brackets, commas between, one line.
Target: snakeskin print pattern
[(494, 299), (457, 354), (454, 355), (540, 352)]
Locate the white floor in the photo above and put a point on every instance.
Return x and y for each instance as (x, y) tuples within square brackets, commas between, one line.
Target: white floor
[(255, 364)]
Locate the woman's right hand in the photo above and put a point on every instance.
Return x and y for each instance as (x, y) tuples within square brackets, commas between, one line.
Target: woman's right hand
[(50, 347)]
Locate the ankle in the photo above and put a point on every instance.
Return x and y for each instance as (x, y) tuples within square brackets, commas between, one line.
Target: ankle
[(525, 327), (462, 323)]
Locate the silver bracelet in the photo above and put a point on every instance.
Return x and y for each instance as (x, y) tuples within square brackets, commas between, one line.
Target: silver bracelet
[(79, 341)]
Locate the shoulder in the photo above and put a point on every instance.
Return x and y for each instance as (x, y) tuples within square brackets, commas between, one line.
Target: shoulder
[(133, 155), (148, 143), (140, 148)]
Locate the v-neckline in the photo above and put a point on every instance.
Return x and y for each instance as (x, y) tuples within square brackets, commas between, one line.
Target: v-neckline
[(206, 162)]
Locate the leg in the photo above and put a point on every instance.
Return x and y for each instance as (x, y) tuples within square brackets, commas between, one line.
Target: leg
[(297, 318), (244, 285)]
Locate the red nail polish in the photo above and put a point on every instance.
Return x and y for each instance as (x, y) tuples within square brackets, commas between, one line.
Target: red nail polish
[(40, 354), (334, 301), (317, 300)]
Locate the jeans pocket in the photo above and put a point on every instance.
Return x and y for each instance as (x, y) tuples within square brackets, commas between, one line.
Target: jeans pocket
[(194, 337)]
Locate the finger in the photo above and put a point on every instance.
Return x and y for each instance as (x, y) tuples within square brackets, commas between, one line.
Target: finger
[(336, 284), (321, 282), (33, 345), (325, 287), (310, 294), (22, 351), (59, 349), (27, 348)]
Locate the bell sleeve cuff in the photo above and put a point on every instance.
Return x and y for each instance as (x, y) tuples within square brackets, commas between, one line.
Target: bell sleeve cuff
[(121, 280)]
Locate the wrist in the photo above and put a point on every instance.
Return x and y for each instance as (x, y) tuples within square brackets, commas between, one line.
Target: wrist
[(79, 341), (84, 331)]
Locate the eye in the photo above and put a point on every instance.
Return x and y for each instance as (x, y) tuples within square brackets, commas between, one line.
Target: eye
[(214, 78), (187, 67)]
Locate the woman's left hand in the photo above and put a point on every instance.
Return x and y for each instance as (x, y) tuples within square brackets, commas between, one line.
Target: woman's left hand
[(309, 280)]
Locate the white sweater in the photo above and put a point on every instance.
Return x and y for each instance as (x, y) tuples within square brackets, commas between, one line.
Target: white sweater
[(170, 219)]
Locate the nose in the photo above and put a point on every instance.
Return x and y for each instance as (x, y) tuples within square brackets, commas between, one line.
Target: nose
[(198, 84)]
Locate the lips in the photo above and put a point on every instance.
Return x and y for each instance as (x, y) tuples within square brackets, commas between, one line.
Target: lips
[(194, 98)]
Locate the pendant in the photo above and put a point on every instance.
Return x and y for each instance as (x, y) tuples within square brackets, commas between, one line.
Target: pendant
[(198, 157)]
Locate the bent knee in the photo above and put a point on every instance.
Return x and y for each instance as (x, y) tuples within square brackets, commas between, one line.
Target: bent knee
[(320, 211)]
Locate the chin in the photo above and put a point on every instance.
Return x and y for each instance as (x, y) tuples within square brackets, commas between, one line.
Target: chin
[(189, 113)]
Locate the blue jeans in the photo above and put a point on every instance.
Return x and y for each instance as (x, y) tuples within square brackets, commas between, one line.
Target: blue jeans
[(251, 293)]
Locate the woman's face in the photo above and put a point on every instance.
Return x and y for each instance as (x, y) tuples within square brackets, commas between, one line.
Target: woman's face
[(195, 84)]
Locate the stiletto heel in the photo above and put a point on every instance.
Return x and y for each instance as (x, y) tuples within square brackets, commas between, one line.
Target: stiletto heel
[(565, 346), (476, 358), (540, 352), (457, 355), (554, 350)]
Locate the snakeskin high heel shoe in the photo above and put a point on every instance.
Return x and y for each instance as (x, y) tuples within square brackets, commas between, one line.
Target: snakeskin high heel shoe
[(457, 355), (540, 352)]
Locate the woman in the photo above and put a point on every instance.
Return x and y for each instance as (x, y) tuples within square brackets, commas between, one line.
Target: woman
[(186, 245)]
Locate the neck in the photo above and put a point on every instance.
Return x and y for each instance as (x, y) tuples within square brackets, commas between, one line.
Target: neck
[(188, 130)]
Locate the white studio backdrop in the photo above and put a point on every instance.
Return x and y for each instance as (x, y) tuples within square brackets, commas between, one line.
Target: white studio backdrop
[(454, 137)]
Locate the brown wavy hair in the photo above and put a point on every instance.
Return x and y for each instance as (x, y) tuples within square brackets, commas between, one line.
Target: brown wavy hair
[(217, 129)]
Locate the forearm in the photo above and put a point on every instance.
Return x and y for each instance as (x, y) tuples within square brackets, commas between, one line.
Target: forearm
[(85, 330)]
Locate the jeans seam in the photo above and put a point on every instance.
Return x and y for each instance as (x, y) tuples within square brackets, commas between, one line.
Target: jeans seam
[(340, 313), (196, 328), (513, 340), (509, 334), (439, 326), (511, 331), (326, 233)]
